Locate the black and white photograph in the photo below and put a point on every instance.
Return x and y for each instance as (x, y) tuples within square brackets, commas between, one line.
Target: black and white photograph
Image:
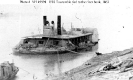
[(66, 40)]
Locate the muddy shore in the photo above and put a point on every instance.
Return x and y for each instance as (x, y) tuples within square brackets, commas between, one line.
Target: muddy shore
[(90, 69)]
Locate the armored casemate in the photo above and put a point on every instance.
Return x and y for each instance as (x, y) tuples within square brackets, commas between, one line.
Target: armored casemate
[(53, 40)]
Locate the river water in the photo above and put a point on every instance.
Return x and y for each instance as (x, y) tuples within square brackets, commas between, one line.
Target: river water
[(33, 66)]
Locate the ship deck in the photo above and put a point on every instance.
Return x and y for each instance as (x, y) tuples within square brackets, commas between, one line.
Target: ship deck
[(57, 36)]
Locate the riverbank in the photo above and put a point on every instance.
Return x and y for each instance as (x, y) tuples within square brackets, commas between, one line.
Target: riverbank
[(91, 68)]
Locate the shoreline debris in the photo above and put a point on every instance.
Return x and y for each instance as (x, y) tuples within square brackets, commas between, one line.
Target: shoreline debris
[(8, 70), (98, 53)]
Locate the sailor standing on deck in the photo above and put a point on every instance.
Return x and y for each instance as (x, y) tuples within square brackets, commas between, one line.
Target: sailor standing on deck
[(52, 22)]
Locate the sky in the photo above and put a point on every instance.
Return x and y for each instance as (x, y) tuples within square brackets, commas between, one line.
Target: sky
[(113, 21)]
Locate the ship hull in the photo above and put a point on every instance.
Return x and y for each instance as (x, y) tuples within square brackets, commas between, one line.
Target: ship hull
[(39, 52), (52, 51)]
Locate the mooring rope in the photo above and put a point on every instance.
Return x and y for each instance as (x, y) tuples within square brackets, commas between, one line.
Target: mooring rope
[(34, 77)]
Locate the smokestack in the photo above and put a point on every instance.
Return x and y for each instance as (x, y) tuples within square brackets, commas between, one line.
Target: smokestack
[(44, 22), (58, 25)]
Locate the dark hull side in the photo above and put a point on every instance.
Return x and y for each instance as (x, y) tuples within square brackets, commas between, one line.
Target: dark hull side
[(40, 52), (75, 50), (51, 52)]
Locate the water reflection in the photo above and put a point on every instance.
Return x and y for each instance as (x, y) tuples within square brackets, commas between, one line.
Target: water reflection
[(45, 65)]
